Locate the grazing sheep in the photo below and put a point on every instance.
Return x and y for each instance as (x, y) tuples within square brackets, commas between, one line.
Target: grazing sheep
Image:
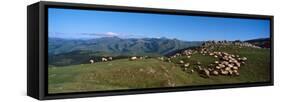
[(244, 58), (161, 58), (216, 62), (227, 68), (230, 65), (168, 60), (186, 65), (110, 58), (207, 72), (235, 68), (192, 71), (198, 63), (221, 65), (133, 58), (145, 57), (225, 63), (181, 62), (236, 73), (103, 59), (92, 61), (223, 72), (237, 64), (230, 72), (200, 68), (215, 72), (210, 69), (217, 67), (177, 54), (239, 59), (210, 65)]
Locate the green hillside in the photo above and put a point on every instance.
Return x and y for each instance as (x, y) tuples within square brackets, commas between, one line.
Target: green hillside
[(118, 74), (150, 73)]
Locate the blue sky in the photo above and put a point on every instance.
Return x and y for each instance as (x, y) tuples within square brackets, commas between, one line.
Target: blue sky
[(88, 24)]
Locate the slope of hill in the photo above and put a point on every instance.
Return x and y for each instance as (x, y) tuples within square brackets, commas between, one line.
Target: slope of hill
[(151, 73), (114, 75)]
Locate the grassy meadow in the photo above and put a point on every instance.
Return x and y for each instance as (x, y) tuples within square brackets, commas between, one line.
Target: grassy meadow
[(153, 73)]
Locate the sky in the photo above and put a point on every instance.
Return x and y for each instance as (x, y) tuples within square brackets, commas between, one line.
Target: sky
[(89, 24)]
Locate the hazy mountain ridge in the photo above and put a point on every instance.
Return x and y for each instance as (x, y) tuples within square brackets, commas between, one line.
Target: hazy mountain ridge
[(261, 42), (117, 46)]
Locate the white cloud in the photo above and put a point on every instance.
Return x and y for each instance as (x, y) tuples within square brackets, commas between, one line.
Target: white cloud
[(111, 34), (93, 35)]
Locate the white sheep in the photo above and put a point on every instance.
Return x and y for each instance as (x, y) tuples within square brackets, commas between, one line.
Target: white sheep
[(110, 58), (133, 58), (92, 61), (103, 59), (186, 65), (181, 62), (215, 72)]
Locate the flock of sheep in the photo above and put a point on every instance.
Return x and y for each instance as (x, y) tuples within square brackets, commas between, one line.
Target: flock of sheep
[(226, 64), (223, 43)]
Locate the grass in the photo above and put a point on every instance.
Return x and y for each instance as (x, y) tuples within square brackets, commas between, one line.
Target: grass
[(152, 73), (118, 74)]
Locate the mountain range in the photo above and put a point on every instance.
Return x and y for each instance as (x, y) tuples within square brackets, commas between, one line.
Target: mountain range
[(114, 46)]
